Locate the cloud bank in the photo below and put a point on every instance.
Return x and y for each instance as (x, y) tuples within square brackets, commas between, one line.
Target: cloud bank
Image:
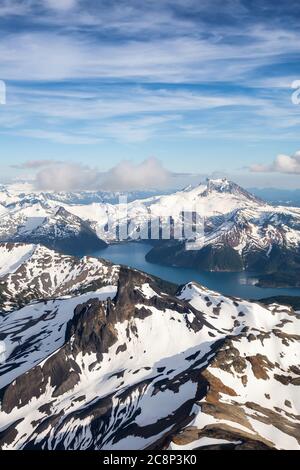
[(125, 176), (282, 164), (128, 175), (67, 177)]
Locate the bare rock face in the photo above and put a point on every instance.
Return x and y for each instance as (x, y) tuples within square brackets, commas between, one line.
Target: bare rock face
[(236, 412), (117, 359)]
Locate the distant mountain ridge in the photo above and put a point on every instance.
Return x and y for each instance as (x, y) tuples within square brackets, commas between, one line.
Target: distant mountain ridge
[(285, 197), (41, 222), (240, 231), (12, 193)]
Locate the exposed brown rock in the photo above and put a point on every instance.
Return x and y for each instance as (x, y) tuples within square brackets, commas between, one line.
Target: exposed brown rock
[(260, 365)]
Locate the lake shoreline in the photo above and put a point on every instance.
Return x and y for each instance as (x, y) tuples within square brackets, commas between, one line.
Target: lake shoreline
[(237, 284)]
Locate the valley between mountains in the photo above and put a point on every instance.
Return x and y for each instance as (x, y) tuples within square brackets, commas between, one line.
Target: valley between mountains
[(238, 231), (104, 357)]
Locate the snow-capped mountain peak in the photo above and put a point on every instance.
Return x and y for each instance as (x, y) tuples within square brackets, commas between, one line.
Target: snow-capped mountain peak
[(225, 186)]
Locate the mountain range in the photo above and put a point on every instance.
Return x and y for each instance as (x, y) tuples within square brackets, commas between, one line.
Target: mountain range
[(98, 356), (238, 231)]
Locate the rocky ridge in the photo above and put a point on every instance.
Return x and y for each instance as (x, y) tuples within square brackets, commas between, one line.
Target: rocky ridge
[(131, 365)]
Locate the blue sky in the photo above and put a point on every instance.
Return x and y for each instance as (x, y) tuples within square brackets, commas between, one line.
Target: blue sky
[(203, 86)]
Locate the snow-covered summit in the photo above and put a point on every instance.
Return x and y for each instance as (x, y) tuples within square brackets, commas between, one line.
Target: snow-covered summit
[(229, 187)]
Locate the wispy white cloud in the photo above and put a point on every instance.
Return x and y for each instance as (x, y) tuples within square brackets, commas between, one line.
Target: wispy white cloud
[(60, 5), (134, 115), (139, 130), (117, 101), (35, 164), (56, 136), (200, 70), (14, 8), (55, 56)]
